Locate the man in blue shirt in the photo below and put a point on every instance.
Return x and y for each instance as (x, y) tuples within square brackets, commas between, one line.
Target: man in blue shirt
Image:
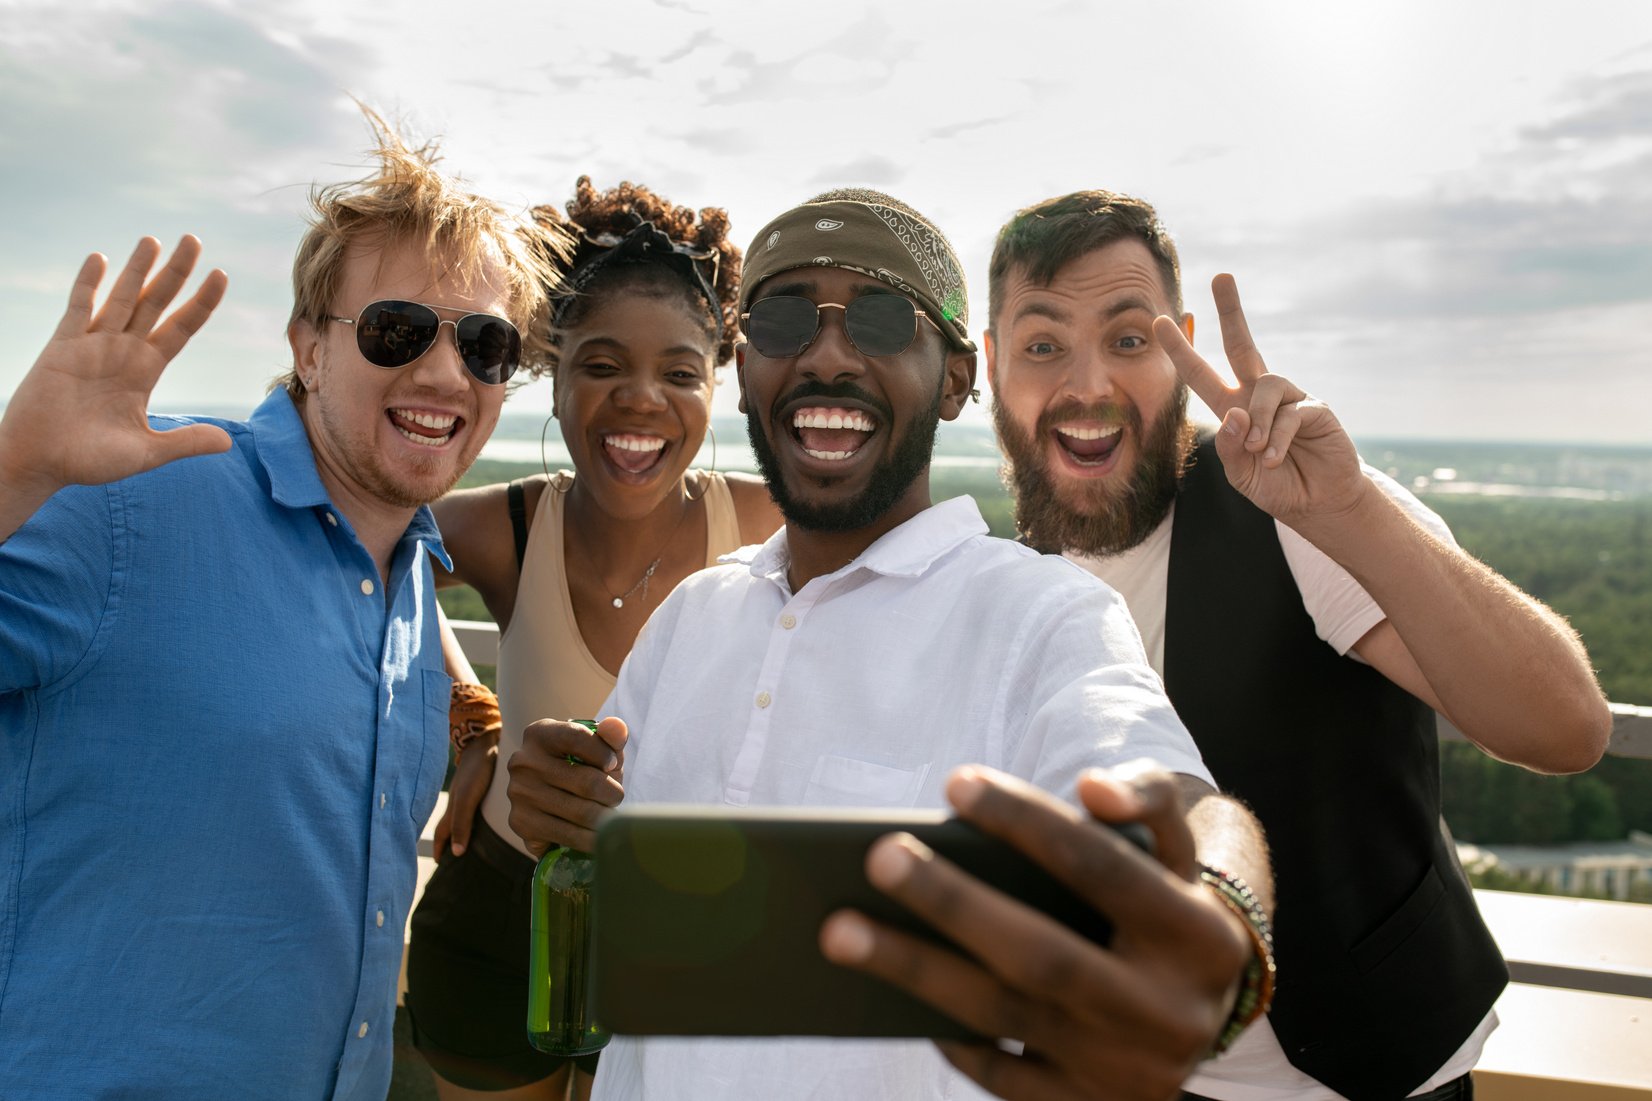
[(223, 712)]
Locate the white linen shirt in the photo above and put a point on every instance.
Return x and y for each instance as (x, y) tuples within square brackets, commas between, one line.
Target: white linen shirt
[(939, 646)]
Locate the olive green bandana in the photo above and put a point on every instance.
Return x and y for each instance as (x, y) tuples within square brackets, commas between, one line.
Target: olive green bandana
[(876, 240)]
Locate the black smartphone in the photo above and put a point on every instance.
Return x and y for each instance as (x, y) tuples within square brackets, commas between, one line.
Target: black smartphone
[(706, 920)]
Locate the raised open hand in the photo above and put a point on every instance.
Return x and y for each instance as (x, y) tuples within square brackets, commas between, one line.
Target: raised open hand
[(80, 415), (1281, 448)]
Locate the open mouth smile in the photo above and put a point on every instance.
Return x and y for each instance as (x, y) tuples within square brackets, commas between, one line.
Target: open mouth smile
[(1088, 445), (831, 433), (634, 453), (424, 429)]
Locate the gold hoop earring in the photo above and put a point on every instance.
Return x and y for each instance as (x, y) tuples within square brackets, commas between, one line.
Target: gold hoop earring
[(713, 469), (544, 430)]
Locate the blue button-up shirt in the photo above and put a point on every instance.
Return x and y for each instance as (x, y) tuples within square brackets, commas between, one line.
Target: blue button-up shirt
[(219, 739)]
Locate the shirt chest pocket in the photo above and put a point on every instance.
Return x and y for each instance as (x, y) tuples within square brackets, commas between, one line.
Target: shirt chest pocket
[(431, 729), (847, 782)]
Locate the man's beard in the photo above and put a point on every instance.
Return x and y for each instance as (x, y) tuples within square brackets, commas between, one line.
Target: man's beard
[(1108, 517), (889, 481)]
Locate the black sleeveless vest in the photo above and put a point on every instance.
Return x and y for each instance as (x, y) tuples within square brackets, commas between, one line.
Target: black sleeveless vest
[(1385, 966)]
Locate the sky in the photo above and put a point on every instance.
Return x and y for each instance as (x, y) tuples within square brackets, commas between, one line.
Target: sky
[(1439, 214)]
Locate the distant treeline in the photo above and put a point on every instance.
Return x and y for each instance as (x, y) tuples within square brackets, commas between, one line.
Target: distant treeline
[(1589, 560)]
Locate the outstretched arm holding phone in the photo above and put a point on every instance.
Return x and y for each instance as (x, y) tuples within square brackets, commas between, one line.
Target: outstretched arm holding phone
[(1131, 1020)]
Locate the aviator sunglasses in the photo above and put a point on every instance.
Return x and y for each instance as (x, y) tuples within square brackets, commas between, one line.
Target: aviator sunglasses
[(393, 333), (781, 326)]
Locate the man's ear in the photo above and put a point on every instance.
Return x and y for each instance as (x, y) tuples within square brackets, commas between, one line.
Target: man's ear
[(740, 370), (991, 348), (305, 342), (958, 385)]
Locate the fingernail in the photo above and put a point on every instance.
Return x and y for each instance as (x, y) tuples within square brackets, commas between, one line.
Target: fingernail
[(848, 939), (1255, 434), (966, 788), (892, 859), (1271, 453), (1231, 427), (458, 849)]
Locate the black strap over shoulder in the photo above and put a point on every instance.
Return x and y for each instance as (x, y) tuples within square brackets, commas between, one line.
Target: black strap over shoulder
[(517, 500)]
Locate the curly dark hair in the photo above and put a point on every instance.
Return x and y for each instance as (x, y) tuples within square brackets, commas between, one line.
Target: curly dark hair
[(617, 210)]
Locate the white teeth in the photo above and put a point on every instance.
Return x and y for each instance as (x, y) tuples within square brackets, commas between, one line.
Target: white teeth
[(634, 443), (1090, 433), (427, 441), (830, 456), (836, 418), (441, 422)]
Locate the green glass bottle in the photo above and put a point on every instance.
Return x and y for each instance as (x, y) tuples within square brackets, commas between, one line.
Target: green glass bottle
[(559, 953)]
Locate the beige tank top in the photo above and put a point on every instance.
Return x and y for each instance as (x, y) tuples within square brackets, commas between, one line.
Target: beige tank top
[(545, 669)]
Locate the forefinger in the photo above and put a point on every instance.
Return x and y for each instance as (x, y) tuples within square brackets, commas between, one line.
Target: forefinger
[(1200, 376)]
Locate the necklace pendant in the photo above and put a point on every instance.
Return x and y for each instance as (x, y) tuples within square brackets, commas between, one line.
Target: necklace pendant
[(619, 602)]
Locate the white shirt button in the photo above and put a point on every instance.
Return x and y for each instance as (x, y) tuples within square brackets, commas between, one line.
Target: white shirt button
[(362, 1031), (788, 621), (366, 586), (333, 520), (382, 798), (380, 919), (764, 699)]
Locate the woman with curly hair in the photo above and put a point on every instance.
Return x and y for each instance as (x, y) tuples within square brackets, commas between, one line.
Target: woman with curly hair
[(571, 565)]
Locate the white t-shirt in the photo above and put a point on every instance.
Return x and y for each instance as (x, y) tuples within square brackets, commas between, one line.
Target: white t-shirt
[(1255, 1067), (938, 646)]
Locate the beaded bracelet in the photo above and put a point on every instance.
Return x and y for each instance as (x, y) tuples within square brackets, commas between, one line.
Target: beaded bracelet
[(473, 711), (1256, 984)]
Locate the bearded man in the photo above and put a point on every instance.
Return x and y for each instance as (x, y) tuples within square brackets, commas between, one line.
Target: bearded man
[(874, 645), (1308, 617)]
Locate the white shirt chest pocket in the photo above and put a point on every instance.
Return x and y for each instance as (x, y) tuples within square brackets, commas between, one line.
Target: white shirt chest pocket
[(847, 782)]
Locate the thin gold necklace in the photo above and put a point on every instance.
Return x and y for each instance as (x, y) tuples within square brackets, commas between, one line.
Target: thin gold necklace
[(648, 574)]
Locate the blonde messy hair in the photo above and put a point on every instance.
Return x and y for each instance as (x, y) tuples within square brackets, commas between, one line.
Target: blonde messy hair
[(408, 200)]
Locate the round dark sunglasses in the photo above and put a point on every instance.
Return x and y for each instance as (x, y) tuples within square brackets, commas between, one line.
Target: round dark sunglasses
[(781, 326), (393, 333)]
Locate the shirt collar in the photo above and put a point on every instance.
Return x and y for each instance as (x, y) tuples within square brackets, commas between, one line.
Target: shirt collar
[(283, 449), (906, 551)]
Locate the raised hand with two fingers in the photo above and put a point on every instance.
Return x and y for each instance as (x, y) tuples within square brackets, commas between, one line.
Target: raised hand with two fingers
[(1282, 449)]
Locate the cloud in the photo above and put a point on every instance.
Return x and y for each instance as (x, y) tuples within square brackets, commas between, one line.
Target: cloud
[(876, 171)]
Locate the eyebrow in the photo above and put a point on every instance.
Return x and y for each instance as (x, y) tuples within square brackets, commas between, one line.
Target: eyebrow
[(1041, 308), (620, 345)]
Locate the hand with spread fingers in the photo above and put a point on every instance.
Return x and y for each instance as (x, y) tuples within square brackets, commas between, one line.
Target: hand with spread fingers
[(1128, 1021), (1282, 449), (80, 415), (563, 780)]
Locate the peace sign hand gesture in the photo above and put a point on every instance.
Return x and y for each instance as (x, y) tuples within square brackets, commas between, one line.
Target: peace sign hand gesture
[(1282, 449), (80, 414)]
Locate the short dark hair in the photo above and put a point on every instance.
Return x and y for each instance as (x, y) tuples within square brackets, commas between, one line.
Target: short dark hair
[(1046, 237)]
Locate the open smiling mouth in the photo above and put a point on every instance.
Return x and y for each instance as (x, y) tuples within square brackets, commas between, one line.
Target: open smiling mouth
[(424, 429), (632, 452), (1089, 445), (831, 433)]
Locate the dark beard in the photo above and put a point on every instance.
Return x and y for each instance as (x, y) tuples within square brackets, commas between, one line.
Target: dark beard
[(1107, 520), (889, 481)]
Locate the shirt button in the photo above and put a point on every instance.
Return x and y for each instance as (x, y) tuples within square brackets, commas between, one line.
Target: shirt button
[(333, 520), (380, 919), (763, 699), (362, 1031), (382, 798), (366, 586), (788, 621)]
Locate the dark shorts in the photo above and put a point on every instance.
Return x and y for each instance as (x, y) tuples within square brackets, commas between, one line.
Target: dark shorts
[(467, 970)]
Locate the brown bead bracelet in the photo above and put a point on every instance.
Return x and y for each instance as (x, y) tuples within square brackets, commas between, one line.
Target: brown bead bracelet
[(1256, 984)]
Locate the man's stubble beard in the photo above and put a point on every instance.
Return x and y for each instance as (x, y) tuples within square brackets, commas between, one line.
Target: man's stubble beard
[(1108, 518)]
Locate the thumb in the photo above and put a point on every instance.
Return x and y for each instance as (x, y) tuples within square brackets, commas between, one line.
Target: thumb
[(187, 442)]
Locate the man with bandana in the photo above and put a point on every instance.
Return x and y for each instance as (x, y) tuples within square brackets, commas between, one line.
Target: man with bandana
[(880, 651), (1308, 617)]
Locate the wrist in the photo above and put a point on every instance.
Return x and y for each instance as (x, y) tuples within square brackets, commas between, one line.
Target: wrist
[(1256, 981), (473, 718)]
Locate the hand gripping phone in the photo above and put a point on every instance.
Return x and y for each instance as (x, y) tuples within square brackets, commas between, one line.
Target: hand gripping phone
[(706, 920)]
